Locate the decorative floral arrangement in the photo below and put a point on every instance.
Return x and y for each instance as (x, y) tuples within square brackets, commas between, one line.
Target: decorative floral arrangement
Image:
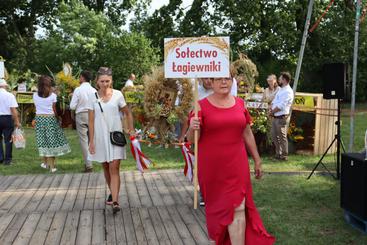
[(245, 73), (295, 134), (259, 120), (159, 103), (134, 97), (29, 77), (150, 135), (65, 85)]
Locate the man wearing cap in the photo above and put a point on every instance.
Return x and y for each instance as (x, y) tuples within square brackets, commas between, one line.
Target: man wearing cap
[(78, 104), (8, 119)]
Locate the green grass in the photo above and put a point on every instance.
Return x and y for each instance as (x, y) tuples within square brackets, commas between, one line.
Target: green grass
[(300, 211), (27, 161), (360, 127)]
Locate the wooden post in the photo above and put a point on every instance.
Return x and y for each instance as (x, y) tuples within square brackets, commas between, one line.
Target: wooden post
[(196, 136)]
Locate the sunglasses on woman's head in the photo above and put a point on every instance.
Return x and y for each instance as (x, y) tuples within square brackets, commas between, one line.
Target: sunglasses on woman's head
[(105, 71)]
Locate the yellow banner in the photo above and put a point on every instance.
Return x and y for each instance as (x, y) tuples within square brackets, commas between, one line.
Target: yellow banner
[(24, 98), (304, 101), (134, 97)]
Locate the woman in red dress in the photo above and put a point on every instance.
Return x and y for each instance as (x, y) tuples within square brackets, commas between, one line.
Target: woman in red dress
[(223, 169)]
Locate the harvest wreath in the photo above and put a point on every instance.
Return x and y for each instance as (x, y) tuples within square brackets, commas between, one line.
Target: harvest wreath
[(160, 108)]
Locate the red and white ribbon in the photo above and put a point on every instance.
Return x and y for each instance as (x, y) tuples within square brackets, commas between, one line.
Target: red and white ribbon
[(189, 161), (142, 162)]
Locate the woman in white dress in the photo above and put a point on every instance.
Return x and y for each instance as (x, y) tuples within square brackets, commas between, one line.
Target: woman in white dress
[(104, 117)]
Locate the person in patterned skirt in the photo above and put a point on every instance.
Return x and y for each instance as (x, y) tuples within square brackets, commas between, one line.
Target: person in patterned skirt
[(50, 138)]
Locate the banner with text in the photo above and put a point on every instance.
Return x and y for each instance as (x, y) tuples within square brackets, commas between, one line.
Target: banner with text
[(196, 57)]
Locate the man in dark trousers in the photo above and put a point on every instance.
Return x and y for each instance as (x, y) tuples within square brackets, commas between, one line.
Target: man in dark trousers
[(8, 119)]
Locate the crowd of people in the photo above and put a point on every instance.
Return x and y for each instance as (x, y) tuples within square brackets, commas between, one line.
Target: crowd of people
[(225, 137)]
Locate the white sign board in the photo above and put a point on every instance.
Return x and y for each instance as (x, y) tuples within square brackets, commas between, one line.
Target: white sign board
[(2, 69), (196, 57), (254, 104)]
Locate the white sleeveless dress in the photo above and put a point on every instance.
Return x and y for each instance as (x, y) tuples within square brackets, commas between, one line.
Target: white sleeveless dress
[(104, 150)]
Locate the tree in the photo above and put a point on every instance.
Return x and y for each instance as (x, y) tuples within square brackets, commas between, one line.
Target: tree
[(87, 40), (18, 23)]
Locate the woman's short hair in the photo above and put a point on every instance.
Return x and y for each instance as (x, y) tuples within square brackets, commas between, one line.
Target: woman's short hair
[(87, 75), (286, 76)]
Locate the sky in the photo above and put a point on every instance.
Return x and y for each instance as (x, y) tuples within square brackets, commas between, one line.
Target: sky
[(156, 4)]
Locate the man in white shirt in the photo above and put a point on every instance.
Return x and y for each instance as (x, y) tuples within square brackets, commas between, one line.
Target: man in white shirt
[(79, 104), (130, 81), (280, 108), (8, 119)]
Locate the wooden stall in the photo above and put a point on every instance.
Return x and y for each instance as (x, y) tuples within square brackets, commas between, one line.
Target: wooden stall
[(317, 117)]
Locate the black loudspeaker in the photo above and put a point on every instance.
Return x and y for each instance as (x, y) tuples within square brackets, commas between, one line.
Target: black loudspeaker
[(353, 185), (334, 76)]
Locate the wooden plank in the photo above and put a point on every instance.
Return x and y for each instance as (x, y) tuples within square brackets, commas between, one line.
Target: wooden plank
[(111, 226), (317, 127), (181, 227), (193, 224), (131, 190), (40, 234), (148, 227), (171, 186), (47, 198), (7, 182), (61, 191), (80, 198), (100, 198), (28, 228), (17, 194), (123, 197), (138, 226), (168, 223), (21, 203), (186, 198), (37, 197), (159, 228), (91, 191), (5, 220), (84, 234), (13, 229), (128, 226), (11, 189), (153, 190), (98, 234), (56, 229), (142, 190), (72, 193), (189, 189), (163, 190), (70, 229)]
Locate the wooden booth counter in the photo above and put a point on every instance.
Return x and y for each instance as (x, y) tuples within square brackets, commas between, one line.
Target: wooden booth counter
[(317, 117)]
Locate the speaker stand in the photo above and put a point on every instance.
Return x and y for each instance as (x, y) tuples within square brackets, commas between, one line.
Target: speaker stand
[(337, 139)]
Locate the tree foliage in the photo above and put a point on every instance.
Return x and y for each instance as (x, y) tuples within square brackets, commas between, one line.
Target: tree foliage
[(268, 31)]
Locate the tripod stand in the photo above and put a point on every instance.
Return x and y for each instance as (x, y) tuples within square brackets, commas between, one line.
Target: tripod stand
[(339, 143)]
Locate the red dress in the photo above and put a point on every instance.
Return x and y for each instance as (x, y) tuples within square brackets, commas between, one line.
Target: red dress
[(224, 173)]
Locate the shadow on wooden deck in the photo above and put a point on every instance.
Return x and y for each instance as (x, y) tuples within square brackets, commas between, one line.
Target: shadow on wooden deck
[(157, 208)]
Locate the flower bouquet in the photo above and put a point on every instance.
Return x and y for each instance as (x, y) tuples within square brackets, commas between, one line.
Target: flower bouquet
[(295, 134)]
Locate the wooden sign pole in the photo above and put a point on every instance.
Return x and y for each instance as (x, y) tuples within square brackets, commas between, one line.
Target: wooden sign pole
[(196, 136)]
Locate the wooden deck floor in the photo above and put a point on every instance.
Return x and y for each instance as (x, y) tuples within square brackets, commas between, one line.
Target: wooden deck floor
[(157, 208)]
